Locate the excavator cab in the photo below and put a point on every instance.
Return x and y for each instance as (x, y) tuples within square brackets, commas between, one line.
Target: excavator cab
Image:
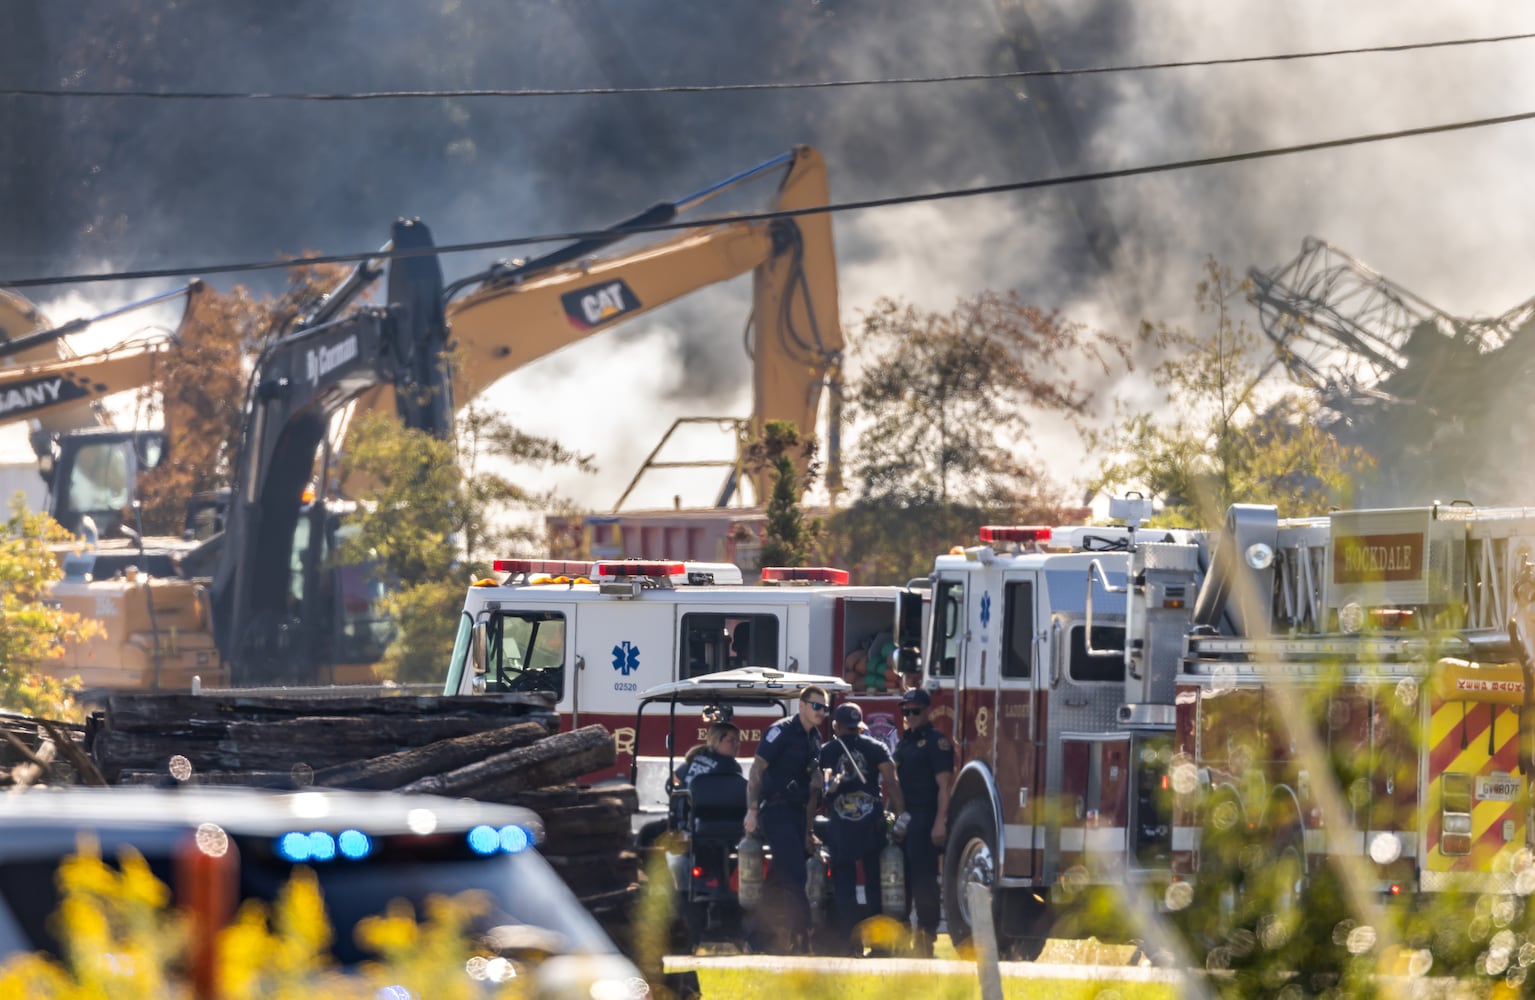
[(93, 472)]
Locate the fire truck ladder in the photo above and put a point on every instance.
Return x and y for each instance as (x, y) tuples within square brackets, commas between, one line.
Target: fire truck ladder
[(1497, 541), (1301, 566)]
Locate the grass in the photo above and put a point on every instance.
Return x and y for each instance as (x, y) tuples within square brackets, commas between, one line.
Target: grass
[(1061, 973), (938, 981)]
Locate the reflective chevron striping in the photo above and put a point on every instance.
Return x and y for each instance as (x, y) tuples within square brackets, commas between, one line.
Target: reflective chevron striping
[(1460, 733)]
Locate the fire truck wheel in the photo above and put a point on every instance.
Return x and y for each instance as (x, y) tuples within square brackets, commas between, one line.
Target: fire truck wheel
[(971, 858)]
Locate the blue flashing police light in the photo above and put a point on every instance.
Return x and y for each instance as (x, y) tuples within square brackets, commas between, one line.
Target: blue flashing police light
[(484, 840), (354, 845), (322, 846), (317, 845), (293, 847), (515, 839)]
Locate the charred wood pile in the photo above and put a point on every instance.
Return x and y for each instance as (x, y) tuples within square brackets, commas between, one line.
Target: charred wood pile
[(39, 752), (503, 748)]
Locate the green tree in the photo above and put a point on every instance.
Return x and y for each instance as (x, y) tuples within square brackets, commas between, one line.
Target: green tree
[(946, 400), (31, 632), (943, 404), (790, 537), (437, 516), (1225, 433)]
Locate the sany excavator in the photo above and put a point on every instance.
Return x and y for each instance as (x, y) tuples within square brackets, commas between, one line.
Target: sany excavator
[(90, 466), (274, 611)]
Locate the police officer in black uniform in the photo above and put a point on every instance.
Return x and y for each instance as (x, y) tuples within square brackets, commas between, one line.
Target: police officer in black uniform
[(784, 786), (716, 755), (855, 763), (924, 760)]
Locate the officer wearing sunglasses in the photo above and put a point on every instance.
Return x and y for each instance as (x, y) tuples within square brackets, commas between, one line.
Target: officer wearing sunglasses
[(924, 762), (783, 787)]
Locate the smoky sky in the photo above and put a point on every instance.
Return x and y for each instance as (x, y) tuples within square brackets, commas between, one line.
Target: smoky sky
[(129, 184)]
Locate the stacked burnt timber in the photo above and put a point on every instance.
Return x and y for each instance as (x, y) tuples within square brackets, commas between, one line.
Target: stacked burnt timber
[(587, 841), (501, 748), (37, 752), (137, 737)]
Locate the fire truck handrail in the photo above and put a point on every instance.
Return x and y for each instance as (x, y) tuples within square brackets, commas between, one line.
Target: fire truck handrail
[(1095, 568), (1205, 652)]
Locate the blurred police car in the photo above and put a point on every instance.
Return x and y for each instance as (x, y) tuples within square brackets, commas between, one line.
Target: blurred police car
[(366, 849)]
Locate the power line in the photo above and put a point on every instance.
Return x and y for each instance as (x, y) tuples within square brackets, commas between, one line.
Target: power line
[(719, 88), (835, 208)]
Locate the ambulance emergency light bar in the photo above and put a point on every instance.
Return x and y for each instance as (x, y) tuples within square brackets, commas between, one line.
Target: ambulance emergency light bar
[(553, 567), (804, 574), (624, 569), (1022, 534)]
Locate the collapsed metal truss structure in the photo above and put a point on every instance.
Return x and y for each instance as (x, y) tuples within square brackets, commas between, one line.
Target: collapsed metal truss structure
[(1349, 333), (1426, 392)]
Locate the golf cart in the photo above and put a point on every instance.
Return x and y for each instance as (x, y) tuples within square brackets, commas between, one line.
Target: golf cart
[(703, 822)]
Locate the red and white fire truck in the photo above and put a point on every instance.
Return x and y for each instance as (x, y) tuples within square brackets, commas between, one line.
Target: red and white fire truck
[(1112, 691), (599, 633)]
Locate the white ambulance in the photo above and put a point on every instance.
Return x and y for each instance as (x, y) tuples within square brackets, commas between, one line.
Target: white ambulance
[(597, 634)]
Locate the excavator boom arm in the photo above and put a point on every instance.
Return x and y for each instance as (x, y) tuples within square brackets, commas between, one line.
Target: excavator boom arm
[(265, 629), (38, 391), (495, 331)]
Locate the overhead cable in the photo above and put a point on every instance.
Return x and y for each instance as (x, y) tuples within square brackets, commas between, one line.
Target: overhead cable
[(720, 88), (834, 208)]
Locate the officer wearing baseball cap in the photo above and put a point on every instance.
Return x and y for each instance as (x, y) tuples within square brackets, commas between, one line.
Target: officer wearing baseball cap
[(924, 759), (856, 765)]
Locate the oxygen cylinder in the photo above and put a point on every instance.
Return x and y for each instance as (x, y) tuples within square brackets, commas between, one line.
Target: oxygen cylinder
[(817, 885), (749, 871), (892, 881)]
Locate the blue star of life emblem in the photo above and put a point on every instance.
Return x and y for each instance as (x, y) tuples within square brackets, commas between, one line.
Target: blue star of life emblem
[(626, 658), (986, 609)]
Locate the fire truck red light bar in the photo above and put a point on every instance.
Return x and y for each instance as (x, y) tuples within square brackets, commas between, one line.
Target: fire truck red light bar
[(554, 567), (1014, 533), (627, 567), (812, 574)]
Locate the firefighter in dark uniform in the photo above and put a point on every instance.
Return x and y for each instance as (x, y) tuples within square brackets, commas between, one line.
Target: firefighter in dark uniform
[(783, 789), (856, 765), (924, 760)]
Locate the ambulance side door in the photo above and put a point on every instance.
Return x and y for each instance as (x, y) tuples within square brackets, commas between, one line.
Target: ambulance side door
[(625, 646), (721, 634)]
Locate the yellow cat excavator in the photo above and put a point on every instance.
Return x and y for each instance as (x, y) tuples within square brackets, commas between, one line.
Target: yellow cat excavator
[(518, 312)]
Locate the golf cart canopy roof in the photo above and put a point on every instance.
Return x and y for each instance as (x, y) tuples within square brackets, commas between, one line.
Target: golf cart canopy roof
[(744, 684)]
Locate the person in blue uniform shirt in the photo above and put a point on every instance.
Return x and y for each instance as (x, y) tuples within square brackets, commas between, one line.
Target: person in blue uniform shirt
[(857, 765), (717, 754), (924, 761), (783, 789)]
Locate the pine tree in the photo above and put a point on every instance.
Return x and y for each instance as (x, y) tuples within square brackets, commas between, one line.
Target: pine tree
[(790, 536)]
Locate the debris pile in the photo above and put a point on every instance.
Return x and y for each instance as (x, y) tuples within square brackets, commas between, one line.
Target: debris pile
[(43, 752)]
